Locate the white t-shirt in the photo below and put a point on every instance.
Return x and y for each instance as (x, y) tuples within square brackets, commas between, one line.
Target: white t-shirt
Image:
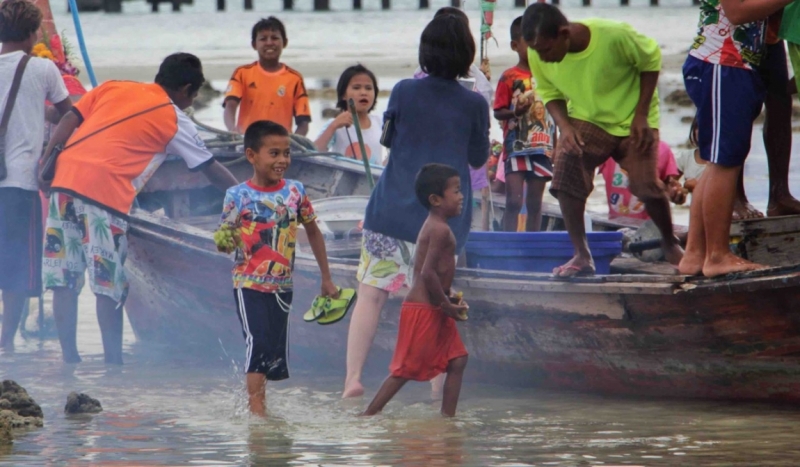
[(372, 140), (688, 165), (41, 81)]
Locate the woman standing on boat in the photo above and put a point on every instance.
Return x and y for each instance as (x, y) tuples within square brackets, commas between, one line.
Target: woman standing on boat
[(433, 119)]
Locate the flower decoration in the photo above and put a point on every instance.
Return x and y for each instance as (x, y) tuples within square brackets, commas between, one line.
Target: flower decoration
[(54, 49)]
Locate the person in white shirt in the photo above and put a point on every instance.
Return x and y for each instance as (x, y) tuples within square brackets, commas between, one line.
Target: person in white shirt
[(339, 134), (20, 206), (689, 162)]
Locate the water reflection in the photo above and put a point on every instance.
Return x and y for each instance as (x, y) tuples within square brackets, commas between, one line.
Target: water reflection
[(171, 407)]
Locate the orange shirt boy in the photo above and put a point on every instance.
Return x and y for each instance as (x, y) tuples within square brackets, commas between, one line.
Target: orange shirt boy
[(267, 89)]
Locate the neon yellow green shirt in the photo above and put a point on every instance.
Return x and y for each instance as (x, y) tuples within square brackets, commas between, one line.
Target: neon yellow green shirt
[(601, 83)]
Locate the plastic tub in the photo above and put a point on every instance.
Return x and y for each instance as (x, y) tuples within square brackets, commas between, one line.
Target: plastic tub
[(537, 251)]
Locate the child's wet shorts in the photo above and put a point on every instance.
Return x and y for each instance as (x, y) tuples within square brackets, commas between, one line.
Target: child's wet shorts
[(427, 341), (386, 262), (80, 236), (728, 100), (265, 324), (20, 241), (534, 166)]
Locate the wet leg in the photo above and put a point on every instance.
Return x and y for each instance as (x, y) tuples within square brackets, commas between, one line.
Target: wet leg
[(533, 202), (257, 393), (385, 394), (572, 209), (452, 385), (658, 209), (13, 305), (515, 183), (695, 255), (363, 324), (778, 143), (109, 316), (742, 209), (718, 198), (65, 312), (437, 384)]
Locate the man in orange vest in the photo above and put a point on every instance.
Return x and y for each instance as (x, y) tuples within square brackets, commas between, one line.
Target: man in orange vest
[(116, 137)]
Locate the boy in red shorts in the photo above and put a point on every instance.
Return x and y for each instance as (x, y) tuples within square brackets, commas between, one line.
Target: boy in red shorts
[(428, 342)]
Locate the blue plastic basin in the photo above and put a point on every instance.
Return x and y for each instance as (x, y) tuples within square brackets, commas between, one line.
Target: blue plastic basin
[(537, 251)]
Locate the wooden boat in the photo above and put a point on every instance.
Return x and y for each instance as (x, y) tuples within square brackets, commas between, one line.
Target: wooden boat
[(641, 331)]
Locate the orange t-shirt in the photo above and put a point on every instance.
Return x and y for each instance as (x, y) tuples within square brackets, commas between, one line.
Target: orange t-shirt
[(110, 167), (276, 96)]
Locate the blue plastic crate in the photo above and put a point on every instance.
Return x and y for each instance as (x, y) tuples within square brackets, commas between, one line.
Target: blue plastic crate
[(537, 251)]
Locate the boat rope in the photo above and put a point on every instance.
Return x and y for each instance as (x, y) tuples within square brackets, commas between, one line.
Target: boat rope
[(73, 6)]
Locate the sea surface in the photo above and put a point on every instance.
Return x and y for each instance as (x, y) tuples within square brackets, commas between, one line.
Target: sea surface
[(171, 407)]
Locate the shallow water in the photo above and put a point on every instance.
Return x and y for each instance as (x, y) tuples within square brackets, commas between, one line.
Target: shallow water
[(171, 407), (167, 407)]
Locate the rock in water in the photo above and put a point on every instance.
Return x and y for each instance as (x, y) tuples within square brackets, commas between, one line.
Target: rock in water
[(18, 410), (81, 403)]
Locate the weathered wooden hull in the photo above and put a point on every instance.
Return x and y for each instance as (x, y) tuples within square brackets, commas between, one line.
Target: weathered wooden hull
[(736, 339)]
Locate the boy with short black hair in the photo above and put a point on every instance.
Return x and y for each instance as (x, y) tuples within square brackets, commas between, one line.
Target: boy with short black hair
[(267, 89), (266, 211), (428, 342), (528, 138)]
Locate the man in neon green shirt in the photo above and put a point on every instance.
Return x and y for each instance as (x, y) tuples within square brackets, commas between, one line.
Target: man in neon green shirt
[(598, 80)]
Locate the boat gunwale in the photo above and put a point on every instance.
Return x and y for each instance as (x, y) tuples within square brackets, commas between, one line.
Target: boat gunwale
[(170, 230)]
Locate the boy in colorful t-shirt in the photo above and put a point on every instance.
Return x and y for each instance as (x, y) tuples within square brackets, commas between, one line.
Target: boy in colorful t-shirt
[(722, 79), (528, 138), (267, 89), (623, 203), (267, 210)]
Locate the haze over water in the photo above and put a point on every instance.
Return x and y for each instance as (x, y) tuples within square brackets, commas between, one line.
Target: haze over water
[(176, 407)]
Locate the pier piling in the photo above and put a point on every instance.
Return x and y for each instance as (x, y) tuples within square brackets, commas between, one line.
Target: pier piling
[(357, 4), (386, 4)]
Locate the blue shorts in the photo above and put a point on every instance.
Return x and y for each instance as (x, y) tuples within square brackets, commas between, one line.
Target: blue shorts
[(728, 100), (21, 241)]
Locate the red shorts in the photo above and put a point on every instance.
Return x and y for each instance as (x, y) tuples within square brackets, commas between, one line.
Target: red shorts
[(426, 342)]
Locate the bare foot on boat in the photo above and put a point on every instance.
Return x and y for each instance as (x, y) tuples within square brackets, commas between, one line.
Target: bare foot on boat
[(673, 253), (576, 267), (744, 210), (784, 206), (692, 263), (353, 390), (727, 264)]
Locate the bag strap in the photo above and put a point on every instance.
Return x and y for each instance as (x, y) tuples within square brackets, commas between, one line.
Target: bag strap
[(12, 94), (120, 121)]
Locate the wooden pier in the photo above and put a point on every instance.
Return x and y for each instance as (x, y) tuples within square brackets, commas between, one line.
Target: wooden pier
[(324, 5)]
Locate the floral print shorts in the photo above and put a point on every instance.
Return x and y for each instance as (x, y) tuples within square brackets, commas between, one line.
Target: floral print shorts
[(386, 262), (78, 237)]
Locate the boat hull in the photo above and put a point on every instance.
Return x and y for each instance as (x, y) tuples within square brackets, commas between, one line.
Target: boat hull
[(635, 336)]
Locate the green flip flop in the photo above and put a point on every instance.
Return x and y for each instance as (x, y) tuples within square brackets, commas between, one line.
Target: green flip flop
[(335, 309), (315, 312)]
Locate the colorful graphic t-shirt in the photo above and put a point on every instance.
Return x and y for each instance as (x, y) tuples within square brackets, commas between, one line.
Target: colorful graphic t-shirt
[(720, 42), (621, 202), (268, 219), (531, 133)]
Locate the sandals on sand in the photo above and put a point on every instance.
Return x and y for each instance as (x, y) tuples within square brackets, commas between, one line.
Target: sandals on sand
[(328, 310), (566, 272)]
